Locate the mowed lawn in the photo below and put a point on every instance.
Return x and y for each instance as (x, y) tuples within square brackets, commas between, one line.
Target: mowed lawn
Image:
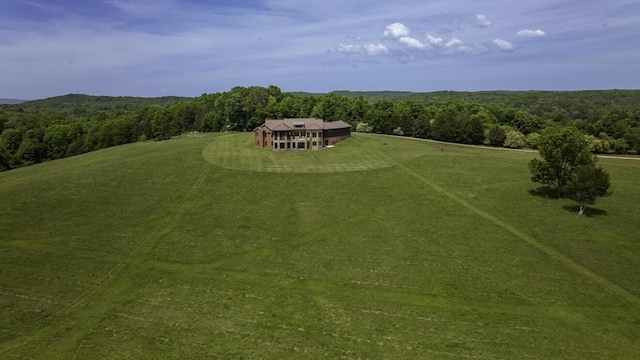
[(205, 247)]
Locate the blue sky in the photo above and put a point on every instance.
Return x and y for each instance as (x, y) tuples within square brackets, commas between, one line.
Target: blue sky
[(190, 47)]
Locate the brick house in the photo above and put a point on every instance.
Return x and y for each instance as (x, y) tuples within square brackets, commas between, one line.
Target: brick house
[(300, 134)]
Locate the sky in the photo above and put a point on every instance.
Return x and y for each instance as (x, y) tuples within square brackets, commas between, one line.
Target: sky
[(190, 47)]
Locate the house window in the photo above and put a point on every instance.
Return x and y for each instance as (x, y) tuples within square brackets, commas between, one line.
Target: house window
[(315, 143), (314, 134)]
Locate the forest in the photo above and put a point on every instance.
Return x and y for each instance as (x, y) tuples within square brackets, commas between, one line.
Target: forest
[(63, 126)]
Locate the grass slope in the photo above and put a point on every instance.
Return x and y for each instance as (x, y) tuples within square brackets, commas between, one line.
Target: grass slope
[(207, 247)]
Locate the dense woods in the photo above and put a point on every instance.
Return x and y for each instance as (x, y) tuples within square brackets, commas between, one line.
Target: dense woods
[(64, 126)]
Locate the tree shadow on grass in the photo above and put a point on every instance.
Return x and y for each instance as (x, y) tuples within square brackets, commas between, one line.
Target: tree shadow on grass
[(545, 192), (588, 212)]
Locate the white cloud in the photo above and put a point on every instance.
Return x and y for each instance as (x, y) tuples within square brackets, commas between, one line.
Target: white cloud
[(396, 30), (453, 42), (503, 45), (401, 33), (348, 49), (373, 49), (369, 49), (531, 33), (472, 50), (448, 47), (434, 40), (412, 43), (482, 21)]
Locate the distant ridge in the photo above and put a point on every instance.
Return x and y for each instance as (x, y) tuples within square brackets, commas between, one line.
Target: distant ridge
[(11, 101), (82, 98), (534, 101), (89, 105)]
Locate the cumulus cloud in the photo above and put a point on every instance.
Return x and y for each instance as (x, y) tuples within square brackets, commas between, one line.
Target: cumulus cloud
[(453, 42), (434, 40), (475, 49), (369, 49), (503, 44), (531, 33), (373, 49), (397, 30), (439, 42), (482, 21), (412, 43), (397, 45)]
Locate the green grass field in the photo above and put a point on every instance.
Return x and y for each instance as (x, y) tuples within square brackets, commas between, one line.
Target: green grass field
[(205, 247)]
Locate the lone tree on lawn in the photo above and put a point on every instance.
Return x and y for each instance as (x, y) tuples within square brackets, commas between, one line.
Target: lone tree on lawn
[(563, 151), (588, 184)]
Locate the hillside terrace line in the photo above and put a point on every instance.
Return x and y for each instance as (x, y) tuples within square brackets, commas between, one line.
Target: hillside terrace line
[(300, 134)]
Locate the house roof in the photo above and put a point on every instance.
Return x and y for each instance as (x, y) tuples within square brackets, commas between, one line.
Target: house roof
[(330, 125), (290, 124), (305, 123)]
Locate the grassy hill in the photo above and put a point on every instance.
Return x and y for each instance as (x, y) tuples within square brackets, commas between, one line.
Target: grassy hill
[(205, 247)]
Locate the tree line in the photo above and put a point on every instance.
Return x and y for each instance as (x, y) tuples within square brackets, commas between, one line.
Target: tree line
[(557, 105), (54, 128)]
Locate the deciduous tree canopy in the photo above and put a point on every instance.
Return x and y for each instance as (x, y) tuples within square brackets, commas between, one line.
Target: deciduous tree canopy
[(562, 150), (587, 184)]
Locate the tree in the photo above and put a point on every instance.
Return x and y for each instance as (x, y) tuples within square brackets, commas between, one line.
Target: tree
[(515, 140), (57, 140), (523, 121), (620, 146), (563, 151), (398, 131), (588, 183), (32, 150), (532, 140), (445, 125), (472, 130), (5, 159), (356, 109), (10, 139), (421, 127), (379, 117), (363, 127), (496, 135), (330, 108), (633, 139), (289, 107), (401, 116)]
